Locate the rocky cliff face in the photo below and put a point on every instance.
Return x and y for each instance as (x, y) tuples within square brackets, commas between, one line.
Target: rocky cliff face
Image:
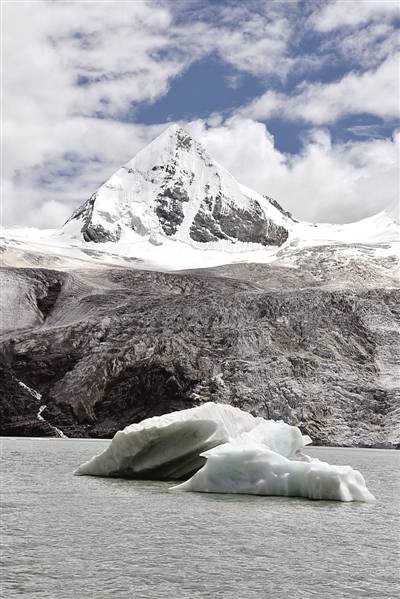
[(107, 347), (174, 189), (309, 335)]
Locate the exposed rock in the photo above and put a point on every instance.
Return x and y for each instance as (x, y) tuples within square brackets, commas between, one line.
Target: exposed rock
[(18, 408), (312, 345), (310, 337), (220, 220), (90, 230), (169, 207), (100, 234), (150, 195), (280, 208)]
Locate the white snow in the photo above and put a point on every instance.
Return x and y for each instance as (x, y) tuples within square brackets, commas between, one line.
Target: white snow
[(128, 201), (41, 409), (380, 233), (128, 198), (39, 414), (243, 454), (380, 228), (31, 391), (57, 431)]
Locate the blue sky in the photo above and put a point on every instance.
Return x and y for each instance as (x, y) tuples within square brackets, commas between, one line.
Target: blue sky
[(299, 99)]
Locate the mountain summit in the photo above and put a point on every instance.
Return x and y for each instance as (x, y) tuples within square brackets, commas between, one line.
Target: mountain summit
[(204, 290), (174, 189)]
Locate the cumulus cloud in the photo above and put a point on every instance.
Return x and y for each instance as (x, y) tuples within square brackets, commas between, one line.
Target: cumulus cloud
[(74, 72), (375, 91), (65, 43), (251, 36), (66, 166), (324, 183), (63, 67), (369, 46), (342, 13)]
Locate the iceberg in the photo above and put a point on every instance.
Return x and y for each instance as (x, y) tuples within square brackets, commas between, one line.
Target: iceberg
[(169, 447), (217, 448), (254, 469)]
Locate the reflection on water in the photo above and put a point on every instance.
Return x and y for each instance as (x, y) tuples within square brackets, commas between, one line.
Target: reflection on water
[(79, 537)]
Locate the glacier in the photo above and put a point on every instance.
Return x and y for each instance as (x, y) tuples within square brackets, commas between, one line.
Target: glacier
[(294, 320), (221, 449)]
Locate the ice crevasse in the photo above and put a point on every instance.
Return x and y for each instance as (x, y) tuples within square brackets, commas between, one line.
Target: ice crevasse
[(216, 448)]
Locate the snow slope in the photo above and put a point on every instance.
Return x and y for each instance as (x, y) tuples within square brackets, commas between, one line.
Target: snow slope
[(173, 207), (173, 188), (57, 249)]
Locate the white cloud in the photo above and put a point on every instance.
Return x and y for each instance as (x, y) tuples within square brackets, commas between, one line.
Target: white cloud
[(49, 211), (367, 131), (351, 13), (369, 46), (374, 91), (258, 46), (100, 147), (325, 183), (48, 46), (46, 115), (253, 37), (125, 53), (129, 52)]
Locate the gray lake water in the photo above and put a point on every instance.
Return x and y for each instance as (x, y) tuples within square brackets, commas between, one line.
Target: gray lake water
[(66, 537)]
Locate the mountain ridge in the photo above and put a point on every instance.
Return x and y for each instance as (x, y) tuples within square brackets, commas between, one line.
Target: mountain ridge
[(174, 188), (96, 335), (173, 207)]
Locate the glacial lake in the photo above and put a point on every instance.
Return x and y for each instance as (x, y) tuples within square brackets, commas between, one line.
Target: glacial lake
[(70, 537)]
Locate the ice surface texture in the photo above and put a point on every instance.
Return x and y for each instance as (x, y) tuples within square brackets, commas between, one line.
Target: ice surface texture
[(253, 468), (230, 451), (168, 447)]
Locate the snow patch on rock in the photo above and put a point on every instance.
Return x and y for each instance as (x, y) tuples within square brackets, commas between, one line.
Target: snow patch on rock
[(174, 189), (41, 409)]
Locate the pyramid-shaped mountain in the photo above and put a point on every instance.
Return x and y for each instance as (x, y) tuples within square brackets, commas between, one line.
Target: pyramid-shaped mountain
[(174, 189)]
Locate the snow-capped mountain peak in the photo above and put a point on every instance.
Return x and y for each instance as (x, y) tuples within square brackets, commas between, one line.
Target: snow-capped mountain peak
[(174, 189), (174, 207)]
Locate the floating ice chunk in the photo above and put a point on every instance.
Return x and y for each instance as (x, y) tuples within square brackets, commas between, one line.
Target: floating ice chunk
[(243, 466), (280, 437), (230, 451), (168, 447)]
